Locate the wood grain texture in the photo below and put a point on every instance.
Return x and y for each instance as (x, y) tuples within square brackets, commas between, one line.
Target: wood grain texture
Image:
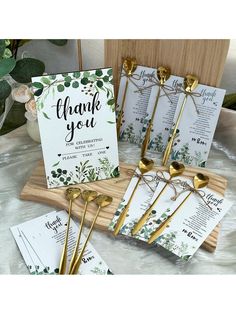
[(203, 58), (79, 50), (36, 190)]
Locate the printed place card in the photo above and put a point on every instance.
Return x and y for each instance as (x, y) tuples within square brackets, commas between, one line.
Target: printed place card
[(136, 102), (189, 227), (76, 115), (164, 115), (193, 223), (196, 130), (41, 241)]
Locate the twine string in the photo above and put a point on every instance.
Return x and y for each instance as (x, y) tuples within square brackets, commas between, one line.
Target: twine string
[(146, 178), (171, 182), (191, 94), (188, 187), (131, 78), (165, 88)]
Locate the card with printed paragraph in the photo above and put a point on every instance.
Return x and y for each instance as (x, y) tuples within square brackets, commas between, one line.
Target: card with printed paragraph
[(41, 241), (76, 115), (189, 227), (197, 125)]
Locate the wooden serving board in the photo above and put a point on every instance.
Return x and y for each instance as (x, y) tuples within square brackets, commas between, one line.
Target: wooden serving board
[(36, 190), (203, 58)]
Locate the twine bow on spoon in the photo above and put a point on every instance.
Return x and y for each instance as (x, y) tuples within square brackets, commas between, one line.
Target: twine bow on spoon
[(129, 66), (190, 83), (199, 181), (175, 170), (163, 75)]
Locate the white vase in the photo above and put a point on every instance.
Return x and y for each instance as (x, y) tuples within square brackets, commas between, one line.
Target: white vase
[(33, 130)]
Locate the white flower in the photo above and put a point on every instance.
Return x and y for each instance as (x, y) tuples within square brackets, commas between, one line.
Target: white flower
[(31, 112), (21, 94)]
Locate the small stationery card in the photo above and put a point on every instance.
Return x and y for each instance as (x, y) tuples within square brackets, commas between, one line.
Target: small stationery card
[(139, 103), (189, 227), (76, 115), (197, 125), (41, 242)]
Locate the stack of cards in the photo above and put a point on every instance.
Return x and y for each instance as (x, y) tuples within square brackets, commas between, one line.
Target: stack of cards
[(41, 242), (198, 123), (188, 229)]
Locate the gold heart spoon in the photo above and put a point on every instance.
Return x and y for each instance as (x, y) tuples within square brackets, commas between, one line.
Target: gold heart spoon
[(190, 83), (163, 75), (87, 196), (71, 195), (175, 169), (101, 201), (144, 166), (129, 66), (199, 181)]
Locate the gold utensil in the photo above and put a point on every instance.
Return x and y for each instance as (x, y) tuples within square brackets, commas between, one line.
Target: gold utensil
[(101, 201), (163, 75), (144, 166), (190, 83), (175, 169), (71, 195), (199, 181), (129, 66), (87, 196)]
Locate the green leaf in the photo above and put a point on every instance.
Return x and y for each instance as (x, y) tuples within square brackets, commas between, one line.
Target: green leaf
[(68, 79), (86, 74), (67, 84), (84, 81), (46, 116), (38, 92), (60, 88), (6, 66), (2, 47), (45, 80), (111, 102), (56, 164), (76, 74), (37, 85), (75, 84), (58, 42), (93, 77), (5, 89), (98, 72), (109, 72), (99, 84), (27, 68), (106, 78), (52, 77)]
